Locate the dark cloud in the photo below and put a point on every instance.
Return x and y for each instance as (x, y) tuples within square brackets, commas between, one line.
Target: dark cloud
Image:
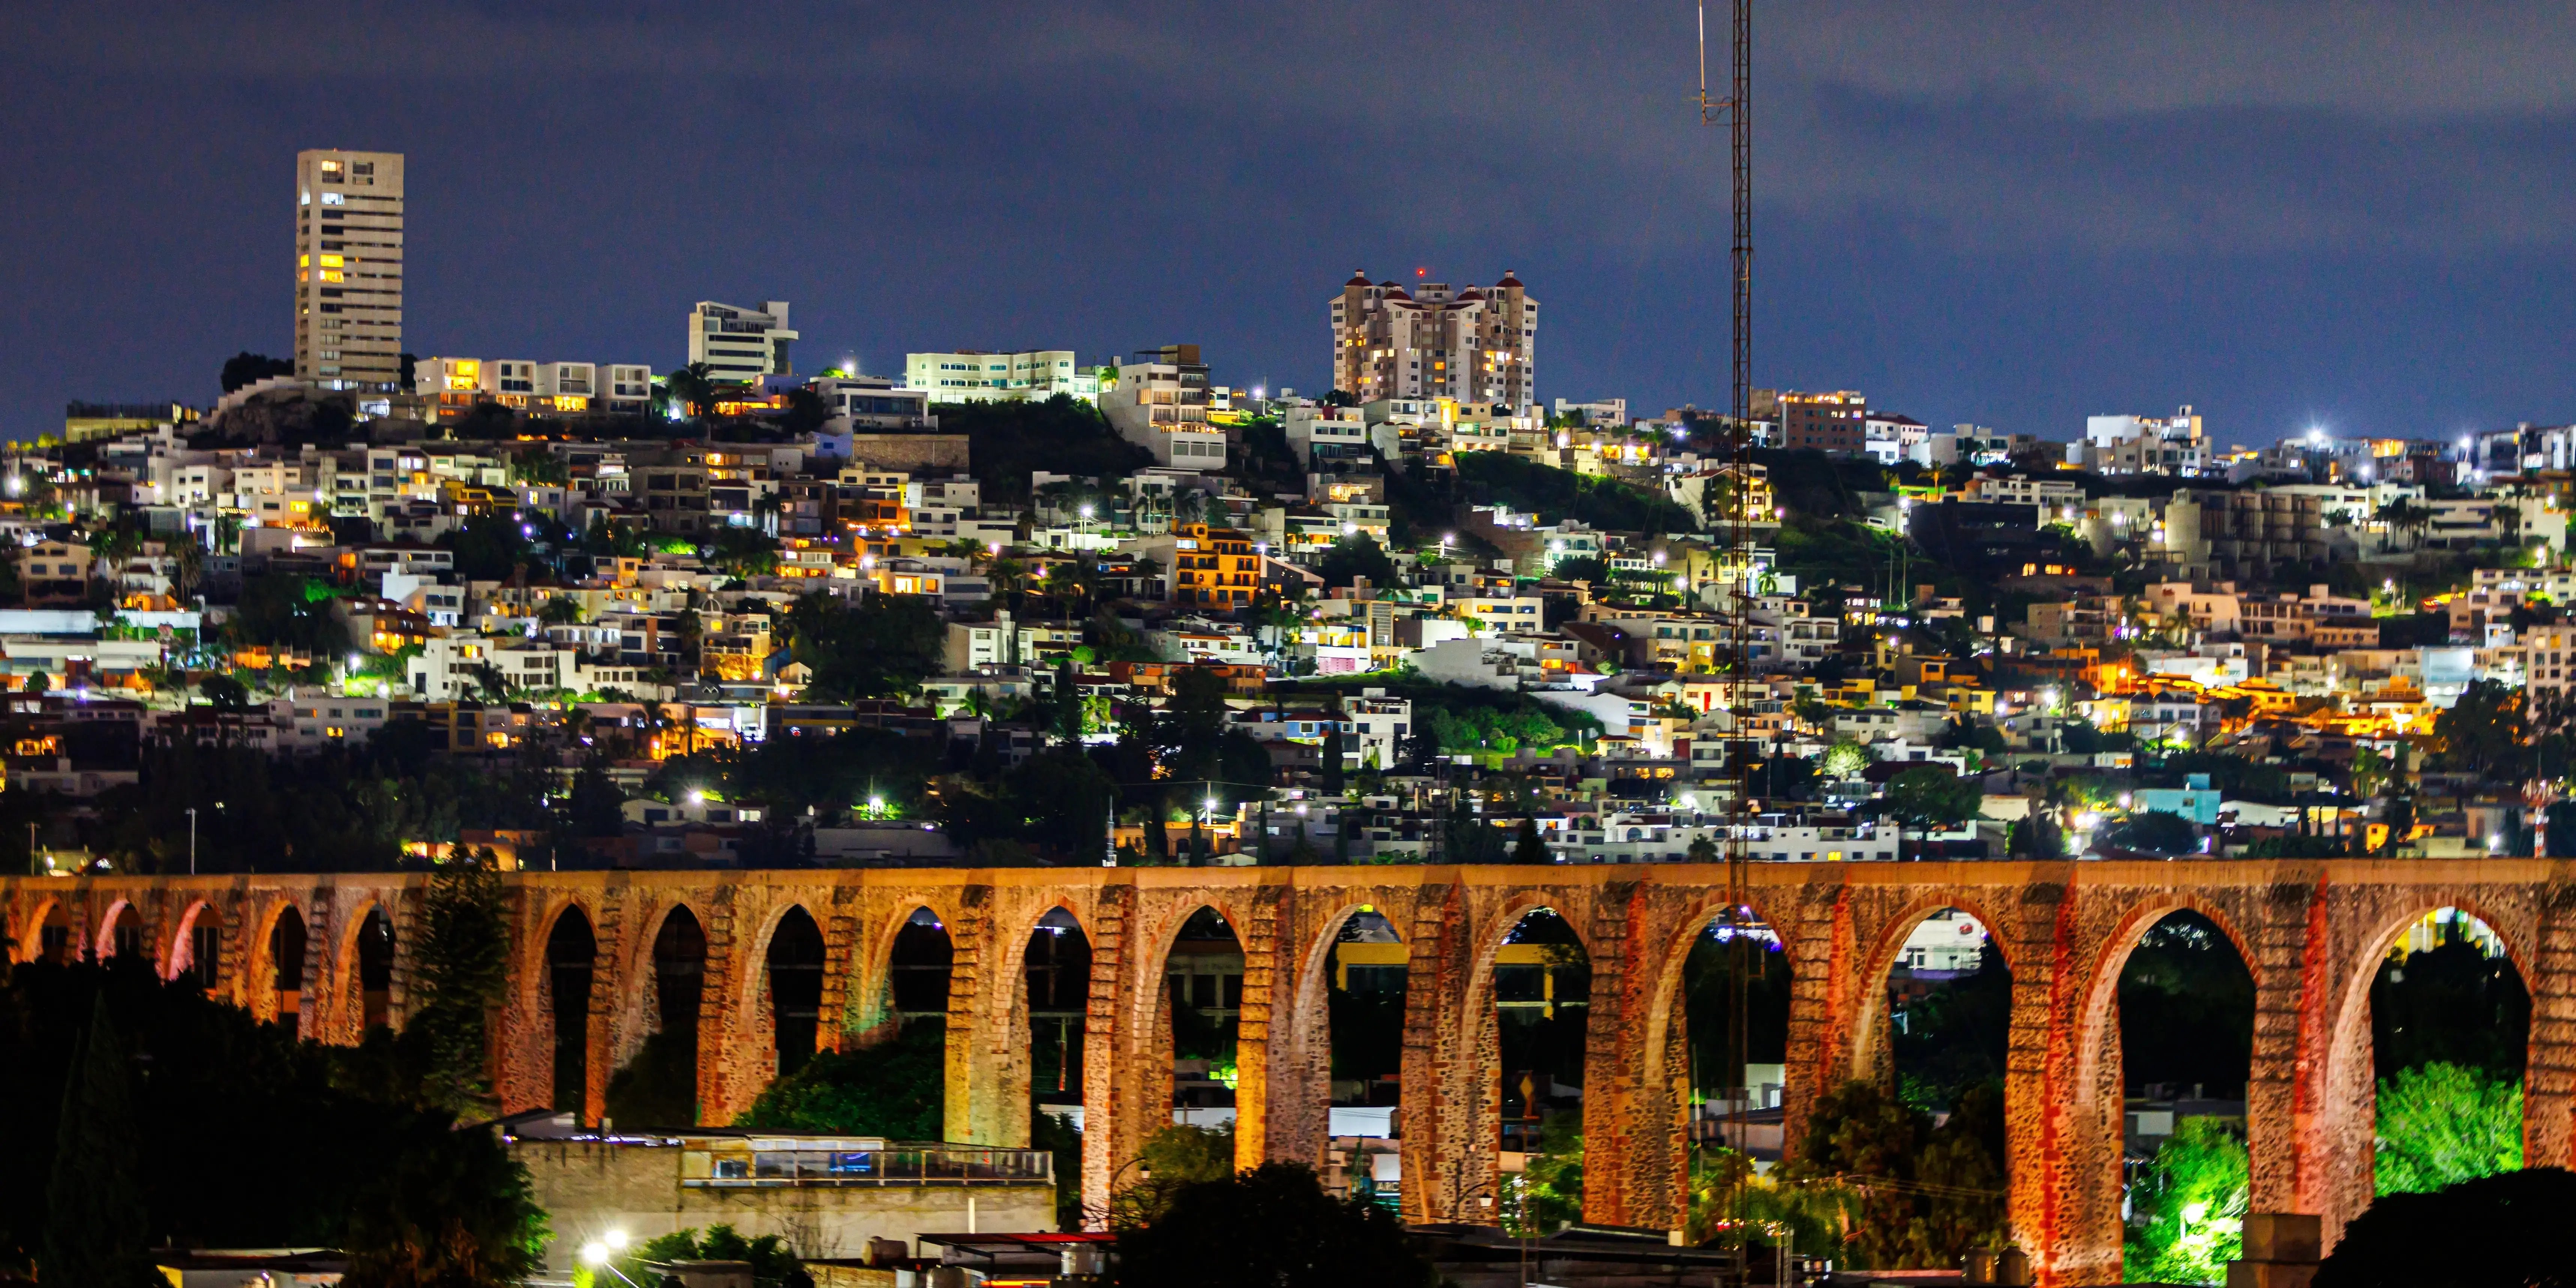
[(2015, 214)]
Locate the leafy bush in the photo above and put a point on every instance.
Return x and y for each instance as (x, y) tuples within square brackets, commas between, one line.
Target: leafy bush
[(772, 1261), (2441, 1124), (1273, 1225), (894, 1089)]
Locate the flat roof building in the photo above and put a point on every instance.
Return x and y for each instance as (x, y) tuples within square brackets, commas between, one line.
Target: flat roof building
[(349, 269), (741, 345)]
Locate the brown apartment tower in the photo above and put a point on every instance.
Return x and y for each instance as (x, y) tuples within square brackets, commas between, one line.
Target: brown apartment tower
[(1474, 346), (349, 269)]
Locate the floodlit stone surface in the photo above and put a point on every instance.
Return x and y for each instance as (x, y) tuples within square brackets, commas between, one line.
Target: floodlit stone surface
[(2311, 932)]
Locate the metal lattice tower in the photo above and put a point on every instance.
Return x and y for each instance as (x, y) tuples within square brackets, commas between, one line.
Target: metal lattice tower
[(1744, 951)]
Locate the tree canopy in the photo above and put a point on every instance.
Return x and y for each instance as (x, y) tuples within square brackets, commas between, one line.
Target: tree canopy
[(1272, 1225), (2506, 1231)]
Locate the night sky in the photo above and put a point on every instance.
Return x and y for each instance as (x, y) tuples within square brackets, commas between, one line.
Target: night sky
[(2351, 216)]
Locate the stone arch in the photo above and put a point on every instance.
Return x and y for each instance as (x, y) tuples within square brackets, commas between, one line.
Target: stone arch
[(639, 1008), (1866, 1043), (570, 984), (1140, 1066), (869, 1014), (659, 1037), (2351, 1076), (1023, 1008), (182, 956), (1299, 1113), (792, 960), (112, 938), (2086, 1113), (2097, 1030), (281, 960), (1664, 1120), (1473, 1191), (28, 935)]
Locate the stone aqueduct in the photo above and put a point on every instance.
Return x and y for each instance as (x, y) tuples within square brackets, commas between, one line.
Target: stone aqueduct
[(2311, 933)]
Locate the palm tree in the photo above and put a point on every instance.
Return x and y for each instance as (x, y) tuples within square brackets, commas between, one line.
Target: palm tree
[(1007, 576), (694, 388), (189, 558)]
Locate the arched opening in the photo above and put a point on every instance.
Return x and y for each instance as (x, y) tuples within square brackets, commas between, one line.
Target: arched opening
[(1735, 1016), (203, 946), (1366, 968), (286, 957), (1059, 995), (2450, 1025), (1926, 1102), (54, 936), (124, 937), (659, 1087), (1203, 981), (917, 969), (571, 958), (2186, 1017), (376, 969), (795, 988), (1542, 1002), (1949, 1010)]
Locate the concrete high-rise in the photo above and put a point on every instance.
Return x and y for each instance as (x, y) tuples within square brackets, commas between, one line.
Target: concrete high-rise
[(1476, 346), (349, 268)]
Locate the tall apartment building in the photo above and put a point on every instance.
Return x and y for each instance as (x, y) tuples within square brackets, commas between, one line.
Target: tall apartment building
[(741, 345), (970, 375), (349, 268), (1825, 422), (1161, 405), (1477, 346)]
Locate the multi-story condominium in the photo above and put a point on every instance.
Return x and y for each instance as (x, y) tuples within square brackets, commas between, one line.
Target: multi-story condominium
[(1162, 406), (349, 269), (741, 345), (2173, 445), (1477, 346), (970, 375), (1214, 566), (453, 386), (1825, 422)]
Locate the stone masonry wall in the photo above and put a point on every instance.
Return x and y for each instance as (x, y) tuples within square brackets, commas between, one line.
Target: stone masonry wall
[(2311, 933)]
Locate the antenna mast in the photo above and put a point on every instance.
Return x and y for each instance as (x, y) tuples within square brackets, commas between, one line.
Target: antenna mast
[(1745, 944)]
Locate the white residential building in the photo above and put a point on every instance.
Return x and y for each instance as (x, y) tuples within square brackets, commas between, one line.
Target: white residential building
[(1162, 406), (971, 375), (741, 345), (2173, 445)]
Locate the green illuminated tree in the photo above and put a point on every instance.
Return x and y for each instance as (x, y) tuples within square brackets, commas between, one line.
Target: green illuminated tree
[(2189, 1206), (1845, 759), (2441, 1124)]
